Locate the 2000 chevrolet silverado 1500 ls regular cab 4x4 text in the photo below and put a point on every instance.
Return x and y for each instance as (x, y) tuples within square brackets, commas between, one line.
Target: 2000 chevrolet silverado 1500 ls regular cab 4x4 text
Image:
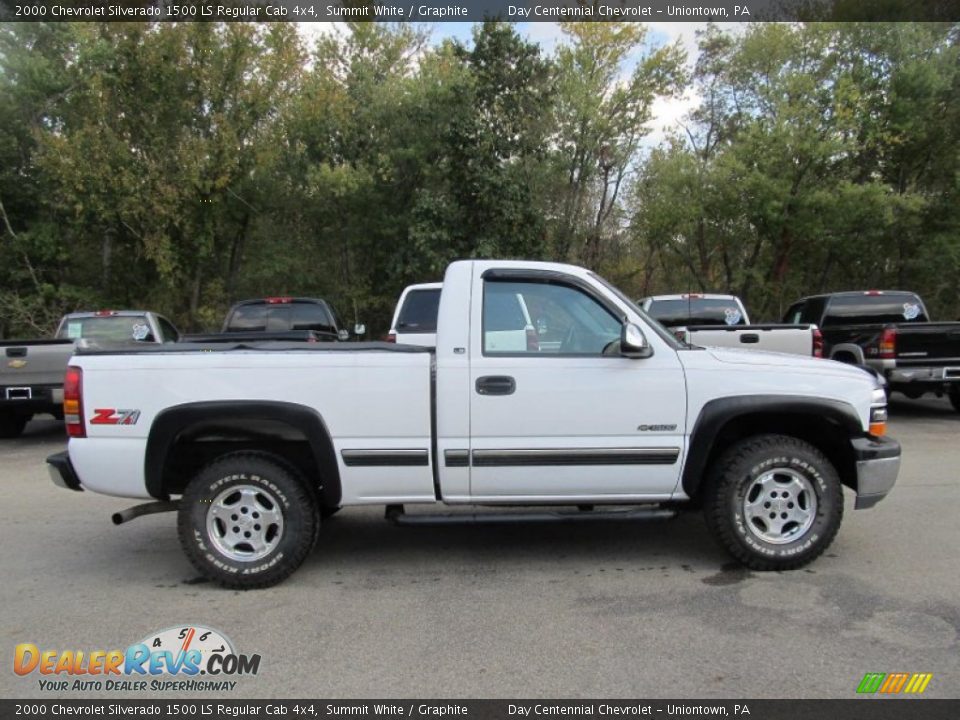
[(262, 442)]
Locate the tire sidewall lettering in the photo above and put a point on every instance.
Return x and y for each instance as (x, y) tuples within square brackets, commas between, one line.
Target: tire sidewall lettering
[(200, 538), (811, 537)]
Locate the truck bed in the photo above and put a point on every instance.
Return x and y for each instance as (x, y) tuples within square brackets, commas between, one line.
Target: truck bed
[(375, 398), (773, 337)]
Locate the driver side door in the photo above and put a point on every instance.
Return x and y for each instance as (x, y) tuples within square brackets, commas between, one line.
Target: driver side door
[(556, 412)]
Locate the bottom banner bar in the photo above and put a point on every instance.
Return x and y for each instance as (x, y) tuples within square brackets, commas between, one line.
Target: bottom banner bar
[(876, 708)]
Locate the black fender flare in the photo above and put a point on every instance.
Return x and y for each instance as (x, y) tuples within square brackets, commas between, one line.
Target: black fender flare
[(171, 422), (717, 413)]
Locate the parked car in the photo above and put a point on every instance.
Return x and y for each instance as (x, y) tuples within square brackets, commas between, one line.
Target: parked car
[(259, 445), (714, 320), (286, 314), (415, 317), (890, 331), (31, 378)]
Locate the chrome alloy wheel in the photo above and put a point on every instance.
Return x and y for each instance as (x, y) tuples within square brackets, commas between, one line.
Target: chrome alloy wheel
[(245, 523), (780, 506)]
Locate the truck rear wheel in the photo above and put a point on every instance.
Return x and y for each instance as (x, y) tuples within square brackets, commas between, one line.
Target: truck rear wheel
[(11, 425), (774, 502), (248, 520)]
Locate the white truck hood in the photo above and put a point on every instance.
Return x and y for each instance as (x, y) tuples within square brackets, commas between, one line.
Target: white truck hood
[(717, 373), (782, 360)]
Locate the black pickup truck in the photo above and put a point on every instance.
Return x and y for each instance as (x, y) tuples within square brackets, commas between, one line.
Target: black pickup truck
[(890, 331)]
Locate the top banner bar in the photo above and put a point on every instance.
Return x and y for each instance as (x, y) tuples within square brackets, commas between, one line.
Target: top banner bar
[(434, 11)]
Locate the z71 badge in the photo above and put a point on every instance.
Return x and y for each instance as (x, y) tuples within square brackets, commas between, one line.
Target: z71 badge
[(112, 416)]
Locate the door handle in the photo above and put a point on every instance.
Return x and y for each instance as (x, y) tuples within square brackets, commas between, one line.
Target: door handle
[(496, 385), (750, 338)]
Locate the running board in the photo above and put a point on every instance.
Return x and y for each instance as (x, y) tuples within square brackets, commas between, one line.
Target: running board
[(396, 515)]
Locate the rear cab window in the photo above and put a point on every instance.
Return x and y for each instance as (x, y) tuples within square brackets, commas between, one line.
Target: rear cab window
[(877, 308), (697, 311), (419, 312), (108, 328), (281, 316)]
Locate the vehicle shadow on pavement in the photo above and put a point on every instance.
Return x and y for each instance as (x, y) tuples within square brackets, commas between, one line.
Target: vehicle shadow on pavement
[(40, 430), (926, 407), (348, 541)]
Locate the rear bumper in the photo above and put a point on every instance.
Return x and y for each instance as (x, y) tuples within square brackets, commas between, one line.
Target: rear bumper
[(878, 463), (62, 472), (907, 375), (27, 399)]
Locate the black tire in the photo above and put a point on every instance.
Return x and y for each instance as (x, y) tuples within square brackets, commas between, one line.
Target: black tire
[(277, 548), (954, 395), (744, 473), (11, 426)]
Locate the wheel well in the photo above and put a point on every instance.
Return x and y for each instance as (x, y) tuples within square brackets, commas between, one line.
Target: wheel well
[(183, 440), (825, 434)]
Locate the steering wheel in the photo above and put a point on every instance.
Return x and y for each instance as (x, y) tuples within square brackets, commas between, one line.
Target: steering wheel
[(571, 341)]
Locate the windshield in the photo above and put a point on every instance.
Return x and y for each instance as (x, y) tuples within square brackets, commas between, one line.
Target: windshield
[(696, 311), (659, 329)]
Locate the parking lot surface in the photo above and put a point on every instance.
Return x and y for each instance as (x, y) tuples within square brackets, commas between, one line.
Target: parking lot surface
[(589, 610)]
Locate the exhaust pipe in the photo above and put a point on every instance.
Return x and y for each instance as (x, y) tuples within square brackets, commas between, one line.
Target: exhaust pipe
[(145, 509)]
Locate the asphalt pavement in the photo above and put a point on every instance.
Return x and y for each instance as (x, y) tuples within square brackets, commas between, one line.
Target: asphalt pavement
[(616, 610)]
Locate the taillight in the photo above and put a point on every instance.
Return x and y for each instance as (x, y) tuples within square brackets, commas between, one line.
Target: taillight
[(278, 300), (390, 337), (533, 339), (888, 344), (817, 342), (73, 402)]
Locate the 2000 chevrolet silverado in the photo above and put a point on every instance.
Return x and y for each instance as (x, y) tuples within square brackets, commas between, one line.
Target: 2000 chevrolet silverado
[(261, 442)]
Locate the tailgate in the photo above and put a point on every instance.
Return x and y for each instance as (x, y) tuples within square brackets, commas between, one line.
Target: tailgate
[(34, 363), (923, 342), (791, 339)]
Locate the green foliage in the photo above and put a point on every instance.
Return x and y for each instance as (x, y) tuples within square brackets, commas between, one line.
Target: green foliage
[(184, 166)]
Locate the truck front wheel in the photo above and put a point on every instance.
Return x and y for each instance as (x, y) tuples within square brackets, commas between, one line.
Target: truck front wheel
[(774, 502), (247, 520)]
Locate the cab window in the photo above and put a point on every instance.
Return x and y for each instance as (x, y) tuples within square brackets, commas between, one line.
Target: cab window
[(530, 317)]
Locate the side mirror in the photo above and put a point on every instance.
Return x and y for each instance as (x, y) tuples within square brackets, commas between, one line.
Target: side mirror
[(359, 329), (633, 343)]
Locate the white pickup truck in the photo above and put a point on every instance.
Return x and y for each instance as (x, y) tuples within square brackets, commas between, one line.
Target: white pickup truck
[(712, 320), (258, 443)]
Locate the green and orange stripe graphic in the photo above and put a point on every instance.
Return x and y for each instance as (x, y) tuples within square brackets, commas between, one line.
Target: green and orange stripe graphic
[(893, 683)]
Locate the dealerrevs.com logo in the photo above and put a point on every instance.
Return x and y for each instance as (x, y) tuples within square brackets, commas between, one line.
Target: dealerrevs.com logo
[(182, 658)]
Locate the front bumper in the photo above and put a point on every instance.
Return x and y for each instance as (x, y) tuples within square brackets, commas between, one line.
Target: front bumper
[(878, 463), (62, 472)]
